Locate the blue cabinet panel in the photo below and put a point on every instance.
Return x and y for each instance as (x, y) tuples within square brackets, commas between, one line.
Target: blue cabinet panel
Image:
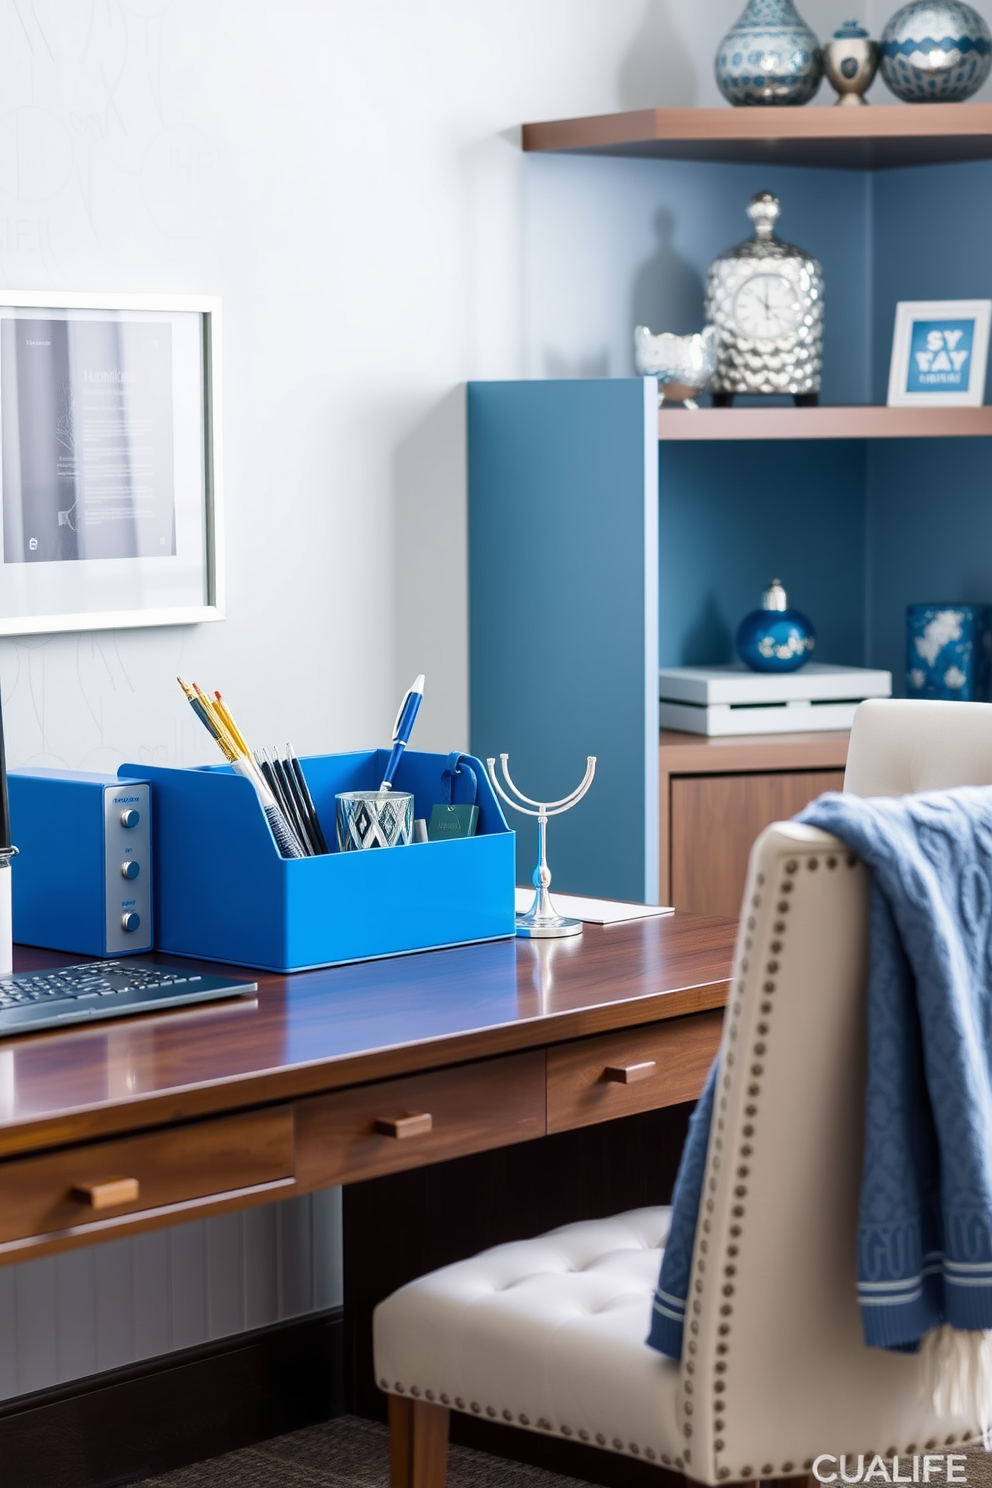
[(562, 616)]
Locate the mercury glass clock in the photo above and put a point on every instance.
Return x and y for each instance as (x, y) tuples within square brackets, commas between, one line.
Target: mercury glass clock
[(765, 298)]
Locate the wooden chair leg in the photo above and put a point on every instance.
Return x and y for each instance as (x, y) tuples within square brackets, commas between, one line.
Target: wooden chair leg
[(418, 1443)]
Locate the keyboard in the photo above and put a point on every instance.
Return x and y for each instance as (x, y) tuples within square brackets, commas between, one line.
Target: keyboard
[(104, 989)]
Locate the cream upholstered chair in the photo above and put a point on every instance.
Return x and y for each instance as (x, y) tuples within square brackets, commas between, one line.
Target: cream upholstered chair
[(900, 746), (548, 1334)]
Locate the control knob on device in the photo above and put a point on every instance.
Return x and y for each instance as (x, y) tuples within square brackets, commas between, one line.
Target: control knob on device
[(130, 817), (131, 921), (130, 869)]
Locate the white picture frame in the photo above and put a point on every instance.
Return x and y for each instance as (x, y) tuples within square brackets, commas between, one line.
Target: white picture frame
[(939, 354), (111, 491)]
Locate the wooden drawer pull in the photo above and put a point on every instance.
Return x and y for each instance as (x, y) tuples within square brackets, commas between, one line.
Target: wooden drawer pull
[(405, 1126), (109, 1194), (629, 1074)]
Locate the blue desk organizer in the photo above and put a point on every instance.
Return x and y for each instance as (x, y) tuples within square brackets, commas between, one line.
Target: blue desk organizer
[(223, 892)]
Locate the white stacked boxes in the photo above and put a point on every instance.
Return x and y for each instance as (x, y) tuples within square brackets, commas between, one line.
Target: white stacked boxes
[(723, 700)]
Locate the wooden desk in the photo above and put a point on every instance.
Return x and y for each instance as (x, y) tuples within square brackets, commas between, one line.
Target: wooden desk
[(329, 1076)]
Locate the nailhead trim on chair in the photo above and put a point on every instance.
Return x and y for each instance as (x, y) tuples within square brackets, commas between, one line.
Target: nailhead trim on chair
[(723, 1473), (745, 1152)]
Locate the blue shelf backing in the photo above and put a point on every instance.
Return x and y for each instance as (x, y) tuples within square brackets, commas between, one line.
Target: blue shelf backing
[(613, 243), (932, 231), (734, 516), (222, 891), (563, 616), (929, 535)]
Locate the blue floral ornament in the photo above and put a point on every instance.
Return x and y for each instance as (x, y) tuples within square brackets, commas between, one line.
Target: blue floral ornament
[(775, 638)]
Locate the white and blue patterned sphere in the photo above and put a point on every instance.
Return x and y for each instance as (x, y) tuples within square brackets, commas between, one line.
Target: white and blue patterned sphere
[(775, 640), (935, 51), (769, 57)]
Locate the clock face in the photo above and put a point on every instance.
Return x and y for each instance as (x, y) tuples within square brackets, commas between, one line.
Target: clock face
[(766, 307)]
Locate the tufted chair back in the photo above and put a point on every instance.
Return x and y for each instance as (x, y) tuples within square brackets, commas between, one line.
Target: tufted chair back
[(900, 745), (773, 1350), (774, 1371)]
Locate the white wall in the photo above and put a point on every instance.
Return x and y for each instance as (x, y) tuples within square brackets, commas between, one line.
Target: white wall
[(347, 177)]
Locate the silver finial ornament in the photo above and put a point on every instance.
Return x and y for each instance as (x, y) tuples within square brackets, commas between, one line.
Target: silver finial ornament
[(542, 921)]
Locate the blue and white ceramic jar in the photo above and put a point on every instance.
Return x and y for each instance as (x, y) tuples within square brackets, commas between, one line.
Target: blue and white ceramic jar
[(949, 651), (769, 56), (935, 51), (775, 638)]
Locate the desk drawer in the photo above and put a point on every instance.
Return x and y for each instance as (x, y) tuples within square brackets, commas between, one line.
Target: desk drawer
[(396, 1124), (661, 1064), (96, 1185)]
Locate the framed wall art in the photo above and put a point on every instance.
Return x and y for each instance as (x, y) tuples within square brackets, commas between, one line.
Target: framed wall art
[(939, 352), (110, 478)]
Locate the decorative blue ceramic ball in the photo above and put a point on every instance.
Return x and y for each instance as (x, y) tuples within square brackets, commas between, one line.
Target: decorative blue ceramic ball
[(935, 51), (775, 638)]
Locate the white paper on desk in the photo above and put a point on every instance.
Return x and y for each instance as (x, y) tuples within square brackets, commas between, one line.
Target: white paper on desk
[(593, 911)]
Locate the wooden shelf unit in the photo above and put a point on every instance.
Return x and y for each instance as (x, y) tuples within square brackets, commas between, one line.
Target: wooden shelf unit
[(651, 532), (878, 137)]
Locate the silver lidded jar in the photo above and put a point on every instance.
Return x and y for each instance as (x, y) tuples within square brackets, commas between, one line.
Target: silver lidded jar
[(765, 298), (850, 60), (770, 56)]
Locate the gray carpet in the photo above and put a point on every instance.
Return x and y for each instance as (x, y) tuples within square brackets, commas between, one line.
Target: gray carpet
[(347, 1453), (352, 1453)]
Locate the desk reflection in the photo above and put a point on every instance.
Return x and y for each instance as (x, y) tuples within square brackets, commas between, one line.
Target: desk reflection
[(544, 957)]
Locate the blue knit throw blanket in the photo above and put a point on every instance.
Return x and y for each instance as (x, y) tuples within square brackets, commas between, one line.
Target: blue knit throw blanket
[(925, 1216)]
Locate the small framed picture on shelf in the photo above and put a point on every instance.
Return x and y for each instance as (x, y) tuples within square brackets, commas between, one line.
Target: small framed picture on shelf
[(110, 481), (939, 352)]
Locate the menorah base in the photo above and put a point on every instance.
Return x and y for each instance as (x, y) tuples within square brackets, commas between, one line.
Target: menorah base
[(530, 929)]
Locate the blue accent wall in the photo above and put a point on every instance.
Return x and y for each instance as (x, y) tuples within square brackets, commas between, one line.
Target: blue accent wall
[(615, 243), (932, 228), (557, 616), (734, 516), (929, 535)]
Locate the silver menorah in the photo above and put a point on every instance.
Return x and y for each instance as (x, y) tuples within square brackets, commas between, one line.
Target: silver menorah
[(542, 921)]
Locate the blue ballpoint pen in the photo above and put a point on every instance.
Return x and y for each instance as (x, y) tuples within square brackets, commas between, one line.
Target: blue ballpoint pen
[(402, 729)]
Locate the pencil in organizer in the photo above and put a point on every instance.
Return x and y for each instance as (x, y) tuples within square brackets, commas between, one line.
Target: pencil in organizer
[(285, 776), (317, 832), (285, 793), (217, 719)]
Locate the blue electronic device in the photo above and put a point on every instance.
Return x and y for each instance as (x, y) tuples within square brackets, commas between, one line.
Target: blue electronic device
[(82, 877)]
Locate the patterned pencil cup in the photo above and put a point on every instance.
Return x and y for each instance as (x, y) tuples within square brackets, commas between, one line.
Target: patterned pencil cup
[(949, 651), (371, 818)]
